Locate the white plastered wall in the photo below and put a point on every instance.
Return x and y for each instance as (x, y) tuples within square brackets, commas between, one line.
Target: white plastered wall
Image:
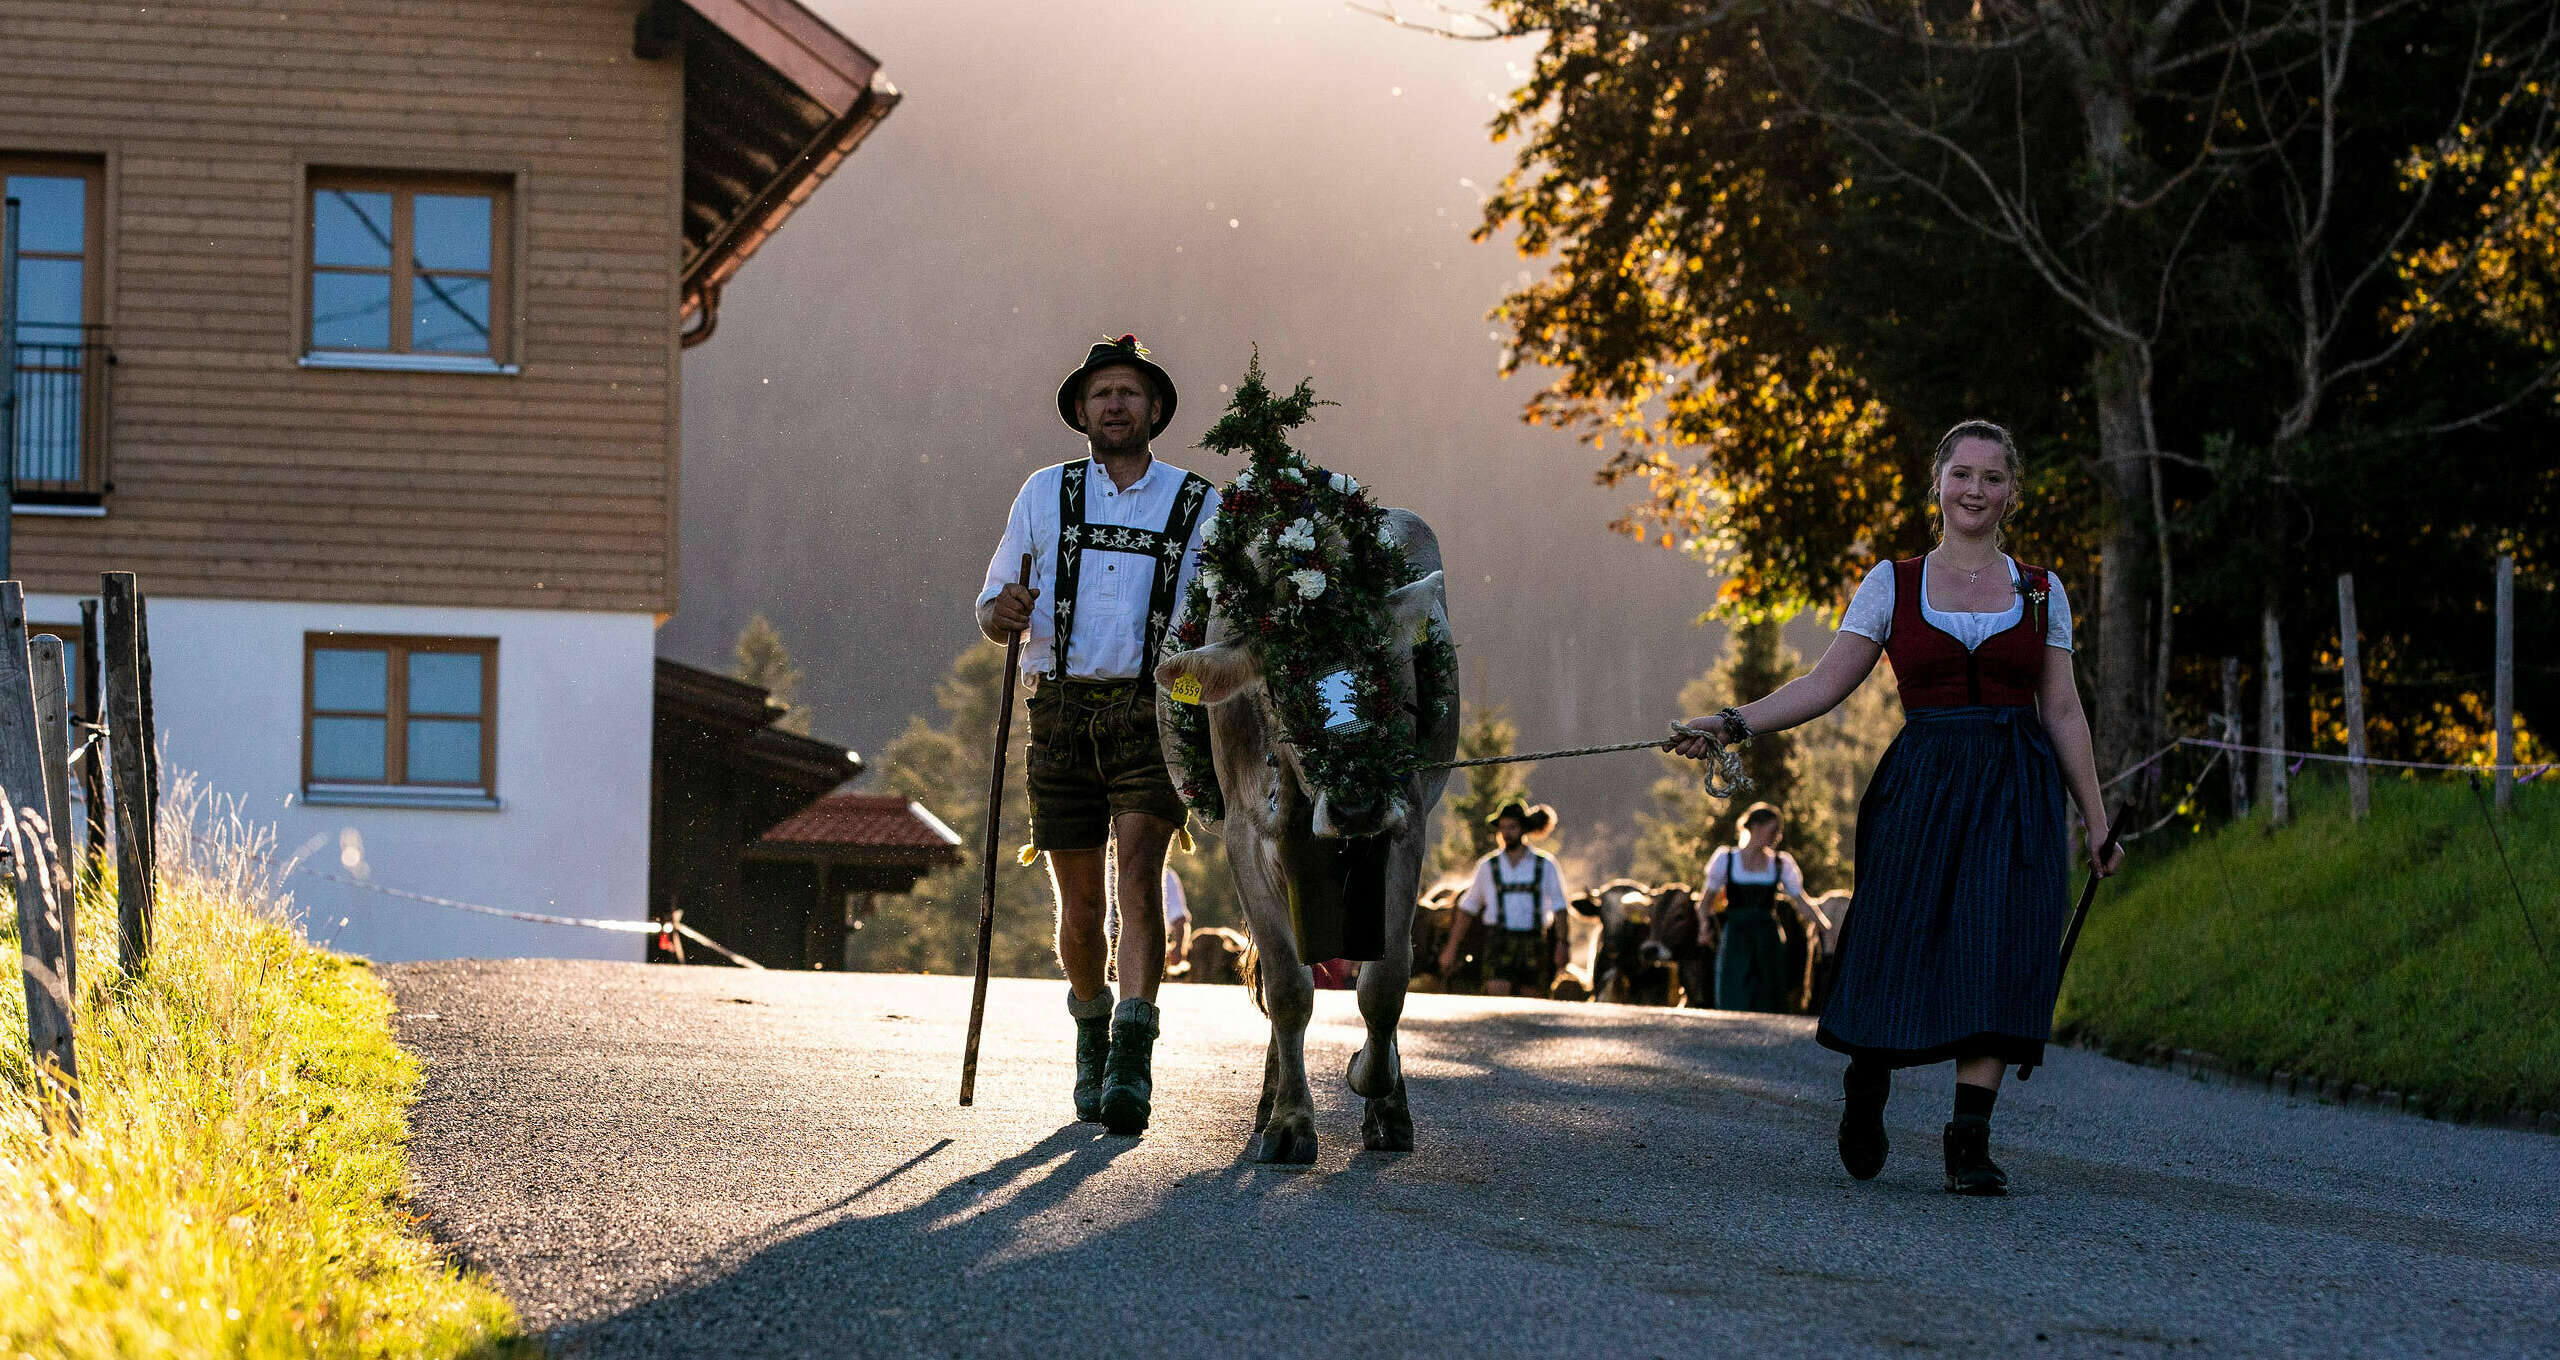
[(571, 834)]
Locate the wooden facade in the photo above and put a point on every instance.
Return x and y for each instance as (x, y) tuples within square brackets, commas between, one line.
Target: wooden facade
[(242, 465)]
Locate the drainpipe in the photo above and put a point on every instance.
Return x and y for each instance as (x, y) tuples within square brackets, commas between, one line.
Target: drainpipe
[(707, 301)]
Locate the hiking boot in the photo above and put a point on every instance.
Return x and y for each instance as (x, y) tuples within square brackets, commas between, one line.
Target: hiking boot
[(1970, 1170), (1128, 1080), (1862, 1141), (1093, 1049)]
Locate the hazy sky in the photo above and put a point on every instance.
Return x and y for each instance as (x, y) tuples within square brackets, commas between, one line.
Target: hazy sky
[(1211, 174)]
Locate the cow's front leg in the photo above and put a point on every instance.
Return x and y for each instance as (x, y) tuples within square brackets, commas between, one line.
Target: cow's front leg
[(1289, 994), (1376, 1073)]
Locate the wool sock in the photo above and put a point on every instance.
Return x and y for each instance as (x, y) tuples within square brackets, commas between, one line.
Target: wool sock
[(1868, 1086), (1973, 1103), (1095, 1007)]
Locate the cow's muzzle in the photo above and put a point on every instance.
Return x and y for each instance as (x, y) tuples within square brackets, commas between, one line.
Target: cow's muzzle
[(1350, 821)]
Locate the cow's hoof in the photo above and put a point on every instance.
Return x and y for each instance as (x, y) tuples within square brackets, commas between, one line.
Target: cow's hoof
[(1387, 1125), (1290, 1142)]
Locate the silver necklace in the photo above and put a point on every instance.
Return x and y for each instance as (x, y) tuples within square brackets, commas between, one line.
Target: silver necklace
[(1974, 575)]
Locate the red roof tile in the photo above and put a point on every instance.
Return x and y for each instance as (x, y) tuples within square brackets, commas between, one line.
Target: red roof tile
[(869, 820)]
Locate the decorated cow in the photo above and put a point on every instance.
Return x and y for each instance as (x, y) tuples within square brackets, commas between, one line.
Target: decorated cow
[(1309, 688)]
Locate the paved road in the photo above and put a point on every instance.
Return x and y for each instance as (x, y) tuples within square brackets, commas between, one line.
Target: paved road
[(662, 1162)]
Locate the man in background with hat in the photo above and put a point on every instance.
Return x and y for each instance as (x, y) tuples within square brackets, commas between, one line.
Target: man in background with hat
[(1516, 890), (1114, 540)]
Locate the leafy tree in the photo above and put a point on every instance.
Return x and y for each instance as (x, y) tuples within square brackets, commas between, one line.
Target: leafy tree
[(2210, 262), (762, 661), (1482, 790)]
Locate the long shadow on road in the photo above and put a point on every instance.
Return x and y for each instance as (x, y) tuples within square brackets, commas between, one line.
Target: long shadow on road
[(1587, 1176)]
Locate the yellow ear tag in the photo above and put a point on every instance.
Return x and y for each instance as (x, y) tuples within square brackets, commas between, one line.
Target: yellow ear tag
[(1027, 855), (1185, 689)]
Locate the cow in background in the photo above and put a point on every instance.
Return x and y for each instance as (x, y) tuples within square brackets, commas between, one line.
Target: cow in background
[(1215, 956), (1686, 942), (1622, 970), (1431, 925)]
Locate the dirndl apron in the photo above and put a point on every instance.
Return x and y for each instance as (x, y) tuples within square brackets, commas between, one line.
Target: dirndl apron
[(1954, 950), (1751, 966)]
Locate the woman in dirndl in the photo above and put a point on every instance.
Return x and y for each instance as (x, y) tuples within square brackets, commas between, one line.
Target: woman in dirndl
[(1954, 951), (1755, 878)]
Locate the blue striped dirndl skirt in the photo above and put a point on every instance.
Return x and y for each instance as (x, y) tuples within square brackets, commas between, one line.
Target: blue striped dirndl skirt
[(1953, 946)]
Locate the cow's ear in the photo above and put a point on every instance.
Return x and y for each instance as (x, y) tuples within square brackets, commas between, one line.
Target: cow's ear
[(1414, 603), (1224, 670)]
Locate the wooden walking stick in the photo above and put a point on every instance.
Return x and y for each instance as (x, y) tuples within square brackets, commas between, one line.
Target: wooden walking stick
[(995, 818)]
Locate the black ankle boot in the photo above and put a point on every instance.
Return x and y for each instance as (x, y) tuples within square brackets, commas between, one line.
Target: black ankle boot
[(1970, 1170), (1093, 1049), (1862, 1141), (1128, 1081)]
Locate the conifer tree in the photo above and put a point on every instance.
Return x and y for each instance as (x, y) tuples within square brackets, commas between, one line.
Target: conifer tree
[(762, 661), (1483, 731)]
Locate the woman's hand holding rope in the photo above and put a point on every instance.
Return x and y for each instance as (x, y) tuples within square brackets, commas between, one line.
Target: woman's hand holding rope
[(1726, 778)]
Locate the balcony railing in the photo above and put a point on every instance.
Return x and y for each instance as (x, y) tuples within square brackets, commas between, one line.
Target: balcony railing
[(61, 381)]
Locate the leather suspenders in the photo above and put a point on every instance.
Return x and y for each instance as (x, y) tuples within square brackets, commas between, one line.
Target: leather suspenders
[(1165, 546)]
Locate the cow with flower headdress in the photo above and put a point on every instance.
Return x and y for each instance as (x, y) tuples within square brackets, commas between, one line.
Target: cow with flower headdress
[(1306, 694)]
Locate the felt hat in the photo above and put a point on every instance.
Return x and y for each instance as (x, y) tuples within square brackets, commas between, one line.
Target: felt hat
[(1124, 352), (1534, 821)]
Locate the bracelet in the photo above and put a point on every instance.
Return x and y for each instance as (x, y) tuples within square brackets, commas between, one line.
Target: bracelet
[(1736, 730)]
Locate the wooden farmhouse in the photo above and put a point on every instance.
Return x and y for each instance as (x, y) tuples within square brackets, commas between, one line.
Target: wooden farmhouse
[(355, 327)]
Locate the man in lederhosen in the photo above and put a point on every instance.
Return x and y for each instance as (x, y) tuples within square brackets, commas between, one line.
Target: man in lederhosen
[(1114, 540), (1516, 891)]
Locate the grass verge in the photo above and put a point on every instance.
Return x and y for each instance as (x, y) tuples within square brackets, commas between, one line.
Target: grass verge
[(235, 1187), (2390, 953)]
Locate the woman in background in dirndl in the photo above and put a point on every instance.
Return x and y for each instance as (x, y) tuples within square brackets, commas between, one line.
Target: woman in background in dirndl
[(1964, 856)]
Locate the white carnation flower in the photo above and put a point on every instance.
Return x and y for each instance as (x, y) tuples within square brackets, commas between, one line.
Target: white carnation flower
[(1345, 483), (1244, 480), (1386, 536), (1301, 535), (1293, 474), (1309, 581)]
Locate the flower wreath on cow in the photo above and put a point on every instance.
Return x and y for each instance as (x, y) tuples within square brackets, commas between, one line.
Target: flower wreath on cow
[(1311, 608)]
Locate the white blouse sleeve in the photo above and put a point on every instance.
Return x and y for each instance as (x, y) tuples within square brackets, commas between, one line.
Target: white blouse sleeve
[(2057, 625), (1870, 611), (1717, 865), (1790, 875)]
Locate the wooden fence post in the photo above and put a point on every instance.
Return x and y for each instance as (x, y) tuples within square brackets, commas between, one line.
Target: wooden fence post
[(53, 731), (136, 860), (2271, 722), (2233, 732), (45, 925), (2351, 657), (2506, 682), (93, 766), (150, 715)]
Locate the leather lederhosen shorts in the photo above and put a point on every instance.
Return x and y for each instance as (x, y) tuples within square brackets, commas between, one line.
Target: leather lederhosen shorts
[(1095, 753)]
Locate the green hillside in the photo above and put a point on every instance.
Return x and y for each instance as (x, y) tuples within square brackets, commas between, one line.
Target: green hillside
[(2390, 953)]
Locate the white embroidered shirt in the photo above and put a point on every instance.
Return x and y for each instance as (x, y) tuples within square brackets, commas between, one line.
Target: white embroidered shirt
[(1515, 910), (1114, 589)]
